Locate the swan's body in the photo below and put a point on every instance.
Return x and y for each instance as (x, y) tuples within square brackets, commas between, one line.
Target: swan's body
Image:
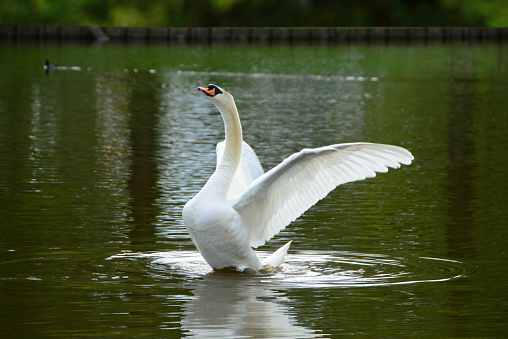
[(240, 207)]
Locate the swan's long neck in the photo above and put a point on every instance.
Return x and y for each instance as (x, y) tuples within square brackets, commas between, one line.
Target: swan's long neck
[(225, 171)]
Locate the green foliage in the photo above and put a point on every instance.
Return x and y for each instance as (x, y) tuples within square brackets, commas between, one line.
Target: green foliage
[(492, 13), (256, 13)]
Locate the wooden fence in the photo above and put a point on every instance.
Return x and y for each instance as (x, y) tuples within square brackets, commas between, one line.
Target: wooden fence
[(249, 35)]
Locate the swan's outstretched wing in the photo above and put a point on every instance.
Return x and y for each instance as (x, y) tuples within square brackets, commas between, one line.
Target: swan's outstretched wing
[(248, 170), (282, 194)]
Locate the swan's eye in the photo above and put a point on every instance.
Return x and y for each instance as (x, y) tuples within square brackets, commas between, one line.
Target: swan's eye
[(214, 89)]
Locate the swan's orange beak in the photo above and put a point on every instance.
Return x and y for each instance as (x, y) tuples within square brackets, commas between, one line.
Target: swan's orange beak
[(207, 91)]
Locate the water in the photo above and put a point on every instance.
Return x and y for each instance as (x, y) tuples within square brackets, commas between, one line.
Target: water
[(97, 164)]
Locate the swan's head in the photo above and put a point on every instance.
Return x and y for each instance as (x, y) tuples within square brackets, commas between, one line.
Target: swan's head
[(211, 91), (219, 97)]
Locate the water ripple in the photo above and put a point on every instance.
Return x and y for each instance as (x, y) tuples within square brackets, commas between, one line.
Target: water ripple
[(347, 269), (320, 270)]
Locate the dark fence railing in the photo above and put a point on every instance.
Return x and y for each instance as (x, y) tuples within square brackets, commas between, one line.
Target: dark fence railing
[(246, 35)]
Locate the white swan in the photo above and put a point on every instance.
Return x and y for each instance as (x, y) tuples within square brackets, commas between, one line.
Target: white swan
[(240, 207)]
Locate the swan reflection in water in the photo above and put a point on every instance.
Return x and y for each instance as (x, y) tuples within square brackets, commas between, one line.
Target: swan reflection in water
[(229, 305), (233, 304)]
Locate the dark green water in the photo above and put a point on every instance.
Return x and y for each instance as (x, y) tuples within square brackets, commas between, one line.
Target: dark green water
[(96, 166)]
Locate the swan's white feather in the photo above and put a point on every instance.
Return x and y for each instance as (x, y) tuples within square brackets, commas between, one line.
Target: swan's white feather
[(248, 170), (281, 195), (277, 257)]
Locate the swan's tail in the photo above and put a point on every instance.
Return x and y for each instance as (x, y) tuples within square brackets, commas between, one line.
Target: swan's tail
[(277, 257)]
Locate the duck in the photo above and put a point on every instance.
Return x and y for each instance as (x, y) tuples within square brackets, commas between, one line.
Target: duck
[(241, 207), (48, 66)]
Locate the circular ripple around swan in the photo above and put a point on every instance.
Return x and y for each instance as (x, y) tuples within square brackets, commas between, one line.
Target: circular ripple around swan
[(319, 270), (348, 269)]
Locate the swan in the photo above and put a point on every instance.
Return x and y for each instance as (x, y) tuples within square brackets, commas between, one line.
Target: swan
[(240, 207)]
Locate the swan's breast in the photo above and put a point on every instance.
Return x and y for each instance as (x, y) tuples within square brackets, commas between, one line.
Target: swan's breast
[(219, 234), (210, 220)]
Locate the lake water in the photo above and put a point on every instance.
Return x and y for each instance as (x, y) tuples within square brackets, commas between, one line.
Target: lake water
[(97, 164)]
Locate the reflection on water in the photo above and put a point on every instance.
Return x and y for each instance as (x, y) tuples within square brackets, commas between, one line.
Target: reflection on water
[(228, 306), (233, 305), (212, 304), (100, 162)]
